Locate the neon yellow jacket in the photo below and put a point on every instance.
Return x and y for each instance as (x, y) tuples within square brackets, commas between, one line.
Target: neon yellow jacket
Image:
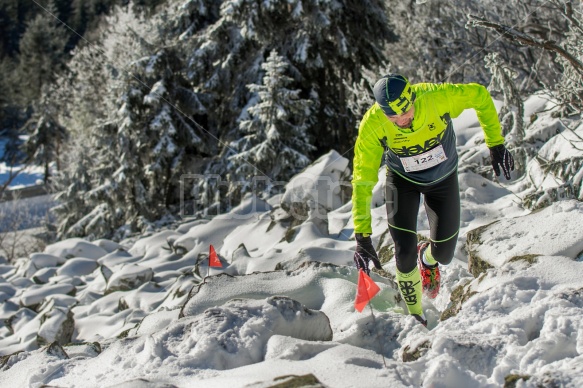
[(435, 106)]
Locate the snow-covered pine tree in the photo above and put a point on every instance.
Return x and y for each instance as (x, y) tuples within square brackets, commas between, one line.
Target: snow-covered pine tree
[(186, 18), (42, 53), (72, 185), (153, 139), (146, 138), (276, 143), (46, 135), (172, 133), (80, 89), (325, 42)]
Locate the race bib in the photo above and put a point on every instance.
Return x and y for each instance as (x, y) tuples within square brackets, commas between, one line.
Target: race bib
[(425, 160)]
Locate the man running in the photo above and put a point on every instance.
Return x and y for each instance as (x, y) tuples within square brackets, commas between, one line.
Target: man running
[(412, 126)]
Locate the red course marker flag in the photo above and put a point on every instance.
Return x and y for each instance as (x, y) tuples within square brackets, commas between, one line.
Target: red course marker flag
[(365, 291), (213, 258)]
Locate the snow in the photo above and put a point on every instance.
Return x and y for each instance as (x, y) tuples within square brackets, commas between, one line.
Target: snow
[(23, 175), (319, 184), (150, 312)]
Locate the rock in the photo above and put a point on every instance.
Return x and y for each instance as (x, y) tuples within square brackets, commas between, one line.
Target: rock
[(7, 309), (56, 350), (78, 267), (106, 272), (19, 319), (292, 310), (5, 360), (293, 381), (32, 297), (510, 381), (221, 345), (75, 247), (43, 260), (320, 185), (142, 383), (57, 326), (108, 245), (128, 278), (457, 298), (476, 265), (43, 275), (548, 232), (21, 282), (84, 350), (415, 353)]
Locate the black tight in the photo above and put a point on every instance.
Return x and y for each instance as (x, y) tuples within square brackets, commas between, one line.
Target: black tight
[(442, 204)]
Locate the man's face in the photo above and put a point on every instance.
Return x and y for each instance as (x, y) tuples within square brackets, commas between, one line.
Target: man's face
[(404, 120)]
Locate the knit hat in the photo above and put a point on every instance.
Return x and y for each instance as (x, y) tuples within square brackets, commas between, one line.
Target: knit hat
[(394, 94)]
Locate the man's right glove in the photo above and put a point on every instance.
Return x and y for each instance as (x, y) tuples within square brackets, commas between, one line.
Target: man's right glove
[(501, 157), (364, 253)]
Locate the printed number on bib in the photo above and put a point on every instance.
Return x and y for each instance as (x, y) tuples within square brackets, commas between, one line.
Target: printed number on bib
[(425, 160)]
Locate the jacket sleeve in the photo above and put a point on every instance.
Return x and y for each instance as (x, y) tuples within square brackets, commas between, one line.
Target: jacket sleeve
[(368, 154), (476, 96)]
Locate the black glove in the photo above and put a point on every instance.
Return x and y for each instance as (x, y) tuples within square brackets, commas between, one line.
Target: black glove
[(364, 253), (501, 157)]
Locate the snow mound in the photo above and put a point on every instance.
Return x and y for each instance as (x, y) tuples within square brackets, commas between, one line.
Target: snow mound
[(322, 184), (129, 277), (519, 316), (75, 247), (552, 231)]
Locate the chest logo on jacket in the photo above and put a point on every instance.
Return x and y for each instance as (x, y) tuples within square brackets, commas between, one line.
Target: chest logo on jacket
[(417, 149)]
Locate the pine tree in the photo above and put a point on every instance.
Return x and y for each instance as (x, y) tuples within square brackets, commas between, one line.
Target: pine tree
[(276, 143), (72, 185), (42, 53), (147, 137), (327, 44), (46, 135), (186, 18)]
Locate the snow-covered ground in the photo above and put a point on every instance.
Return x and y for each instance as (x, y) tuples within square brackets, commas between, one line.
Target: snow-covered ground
[(22, 174), (149, 312)]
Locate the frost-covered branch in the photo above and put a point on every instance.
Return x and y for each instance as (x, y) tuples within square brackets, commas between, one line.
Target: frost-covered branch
[(527, 40)]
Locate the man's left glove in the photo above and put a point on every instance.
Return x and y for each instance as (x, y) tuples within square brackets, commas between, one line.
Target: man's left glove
[(501, 157), (365, 252)]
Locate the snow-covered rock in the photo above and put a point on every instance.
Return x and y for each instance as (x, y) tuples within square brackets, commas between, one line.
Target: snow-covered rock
[(129, 277), (43, 260), (324, 184), (34, 296), (57, 325), (78, 267), (75, 247), (552, 231), (43, 275)]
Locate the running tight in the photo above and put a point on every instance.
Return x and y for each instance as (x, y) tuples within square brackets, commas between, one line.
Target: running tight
[(442, 204)]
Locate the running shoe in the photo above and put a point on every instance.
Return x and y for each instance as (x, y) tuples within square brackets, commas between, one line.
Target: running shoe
[(430, 277)]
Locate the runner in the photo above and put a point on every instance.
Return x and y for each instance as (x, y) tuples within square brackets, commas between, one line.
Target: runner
[(411, 125)]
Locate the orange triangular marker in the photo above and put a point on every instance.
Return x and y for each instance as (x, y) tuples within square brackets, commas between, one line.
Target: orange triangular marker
[(213, 258), (365, 290)]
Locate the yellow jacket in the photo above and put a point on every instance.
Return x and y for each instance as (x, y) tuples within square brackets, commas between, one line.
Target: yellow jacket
[(432, 134)]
